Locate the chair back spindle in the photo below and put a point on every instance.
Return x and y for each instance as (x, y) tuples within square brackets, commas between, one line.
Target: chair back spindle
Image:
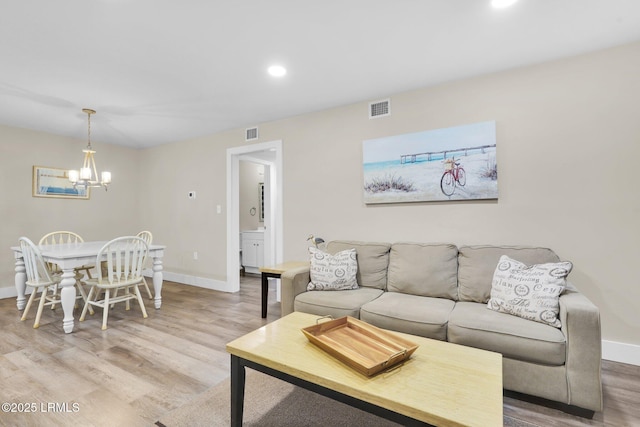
[(35, 267), (125, 258), (146, 236), (60, 238)]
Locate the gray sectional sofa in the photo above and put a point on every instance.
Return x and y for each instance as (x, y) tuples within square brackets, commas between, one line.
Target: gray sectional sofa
[(441, 291)]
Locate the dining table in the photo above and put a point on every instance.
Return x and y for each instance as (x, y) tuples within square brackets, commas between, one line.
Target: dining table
[(68, 257)]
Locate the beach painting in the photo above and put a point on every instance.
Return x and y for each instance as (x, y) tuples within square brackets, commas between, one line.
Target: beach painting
[(54, 182), (456, 163)]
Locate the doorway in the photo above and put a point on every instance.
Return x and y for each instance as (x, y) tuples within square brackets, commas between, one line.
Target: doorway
[(268, 154)]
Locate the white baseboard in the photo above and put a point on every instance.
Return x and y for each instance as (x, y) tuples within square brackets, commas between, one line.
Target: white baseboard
[(621, 352), (187, 279), (252, 270), (8, 292)]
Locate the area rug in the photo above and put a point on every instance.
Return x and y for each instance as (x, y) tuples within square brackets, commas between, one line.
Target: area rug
[(272, 402)]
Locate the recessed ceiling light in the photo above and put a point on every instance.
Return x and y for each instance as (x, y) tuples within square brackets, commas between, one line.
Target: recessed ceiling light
[(277, 70), (500, 4)]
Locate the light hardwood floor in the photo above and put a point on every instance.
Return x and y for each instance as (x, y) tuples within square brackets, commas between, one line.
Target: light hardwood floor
[(139, 369)]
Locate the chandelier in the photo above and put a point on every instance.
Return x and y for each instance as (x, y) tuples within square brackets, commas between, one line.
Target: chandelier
[(88, 174)]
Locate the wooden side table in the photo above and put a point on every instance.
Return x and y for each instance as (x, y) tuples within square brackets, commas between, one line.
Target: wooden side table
[(275, 271)]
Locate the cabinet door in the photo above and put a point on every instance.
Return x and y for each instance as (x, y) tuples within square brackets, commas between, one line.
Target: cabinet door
[(252, 253), (252, 249), (249, 256), (259, 253)]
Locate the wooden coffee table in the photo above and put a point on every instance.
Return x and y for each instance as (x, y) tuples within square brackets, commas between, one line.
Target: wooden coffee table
[(441, 384)]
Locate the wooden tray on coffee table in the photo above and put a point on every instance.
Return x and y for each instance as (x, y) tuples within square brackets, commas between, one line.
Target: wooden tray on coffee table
[(362, 346)]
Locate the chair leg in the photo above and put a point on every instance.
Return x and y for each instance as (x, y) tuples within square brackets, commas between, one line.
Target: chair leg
[(55, 293), (32, 298), (144, 281), (127, 302), (84, 295), (105, 312), (43, 298), (115, 294), (87, 304), (141, 302)]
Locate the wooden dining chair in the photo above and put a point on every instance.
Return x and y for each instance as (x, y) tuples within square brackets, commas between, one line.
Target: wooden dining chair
[(119, 265), (147, 237), (67, 238), (39, 277)]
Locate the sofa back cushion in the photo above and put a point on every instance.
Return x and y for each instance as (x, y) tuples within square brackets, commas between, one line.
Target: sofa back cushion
[(476, 265), (373, 261), (429, 270)]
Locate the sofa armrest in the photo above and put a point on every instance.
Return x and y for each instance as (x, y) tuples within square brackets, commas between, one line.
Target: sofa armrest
[(292, 283), (581, 326)]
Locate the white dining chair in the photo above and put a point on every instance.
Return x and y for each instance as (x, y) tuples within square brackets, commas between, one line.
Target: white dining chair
[(119, 264), (39, 277), (147, 237), (67, 238)]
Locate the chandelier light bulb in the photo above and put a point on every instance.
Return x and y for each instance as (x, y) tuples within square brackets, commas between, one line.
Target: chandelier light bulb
[(85, 173)]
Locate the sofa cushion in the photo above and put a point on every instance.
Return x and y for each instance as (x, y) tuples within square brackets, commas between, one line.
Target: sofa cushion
[(336, 304), (423, 269), (423, 316), (473, 325), (332, 272), (476, 265), (373, 261), (530, 292)]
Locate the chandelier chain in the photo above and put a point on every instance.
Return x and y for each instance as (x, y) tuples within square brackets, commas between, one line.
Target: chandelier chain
[(89, 112)]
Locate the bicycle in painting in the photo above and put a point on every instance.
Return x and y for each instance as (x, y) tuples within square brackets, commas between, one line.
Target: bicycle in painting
[(453, 175)]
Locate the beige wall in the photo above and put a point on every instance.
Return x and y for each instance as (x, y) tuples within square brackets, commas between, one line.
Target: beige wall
[(103, 216), (188, 225), (568, 136)]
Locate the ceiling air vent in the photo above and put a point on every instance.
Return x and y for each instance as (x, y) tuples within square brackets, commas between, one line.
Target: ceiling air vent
[(379, 108), (251, 134)]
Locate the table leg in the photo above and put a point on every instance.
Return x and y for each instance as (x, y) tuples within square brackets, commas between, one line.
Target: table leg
[(20, 281), (157, 281), (237, 391), (68, 298), (237, 396), (265, 294)]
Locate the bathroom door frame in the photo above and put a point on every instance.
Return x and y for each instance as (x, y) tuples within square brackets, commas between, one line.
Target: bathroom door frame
[(273, 206)]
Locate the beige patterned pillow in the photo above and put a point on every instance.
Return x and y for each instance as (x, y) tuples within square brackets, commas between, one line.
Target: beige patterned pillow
[(332, 272), (530, 292)]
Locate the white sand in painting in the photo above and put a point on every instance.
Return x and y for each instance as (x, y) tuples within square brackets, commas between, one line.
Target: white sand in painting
[(425, 177)]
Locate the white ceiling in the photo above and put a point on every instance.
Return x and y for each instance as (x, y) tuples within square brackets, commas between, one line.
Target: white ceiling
[(159, 71)]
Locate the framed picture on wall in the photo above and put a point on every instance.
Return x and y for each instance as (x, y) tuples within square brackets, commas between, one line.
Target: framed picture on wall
[(456, 163), (54, 182)]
